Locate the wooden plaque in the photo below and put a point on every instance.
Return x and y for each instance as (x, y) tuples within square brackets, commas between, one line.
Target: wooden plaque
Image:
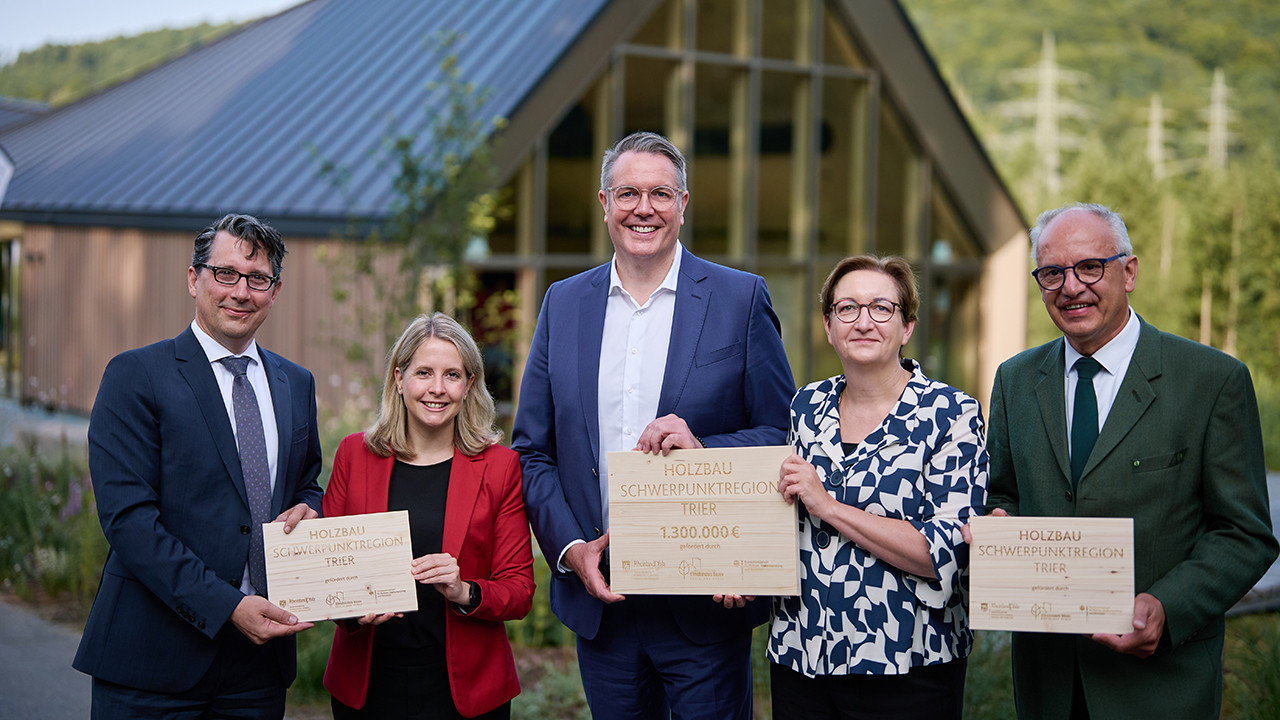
[(343, 567), (1051, 574), (701, 522)]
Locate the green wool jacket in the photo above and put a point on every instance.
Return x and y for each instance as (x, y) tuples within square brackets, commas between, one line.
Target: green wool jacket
[(1181, 453)]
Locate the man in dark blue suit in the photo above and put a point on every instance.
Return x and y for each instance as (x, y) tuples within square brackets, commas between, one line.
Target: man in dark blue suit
[(655, 350), (193, 442)]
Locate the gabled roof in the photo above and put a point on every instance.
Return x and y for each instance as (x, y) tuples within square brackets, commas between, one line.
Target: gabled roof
[(231, 125), (241, 124)]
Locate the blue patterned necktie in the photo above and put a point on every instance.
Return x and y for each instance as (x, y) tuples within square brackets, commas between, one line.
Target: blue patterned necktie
[(1084, 418), (252, 444)]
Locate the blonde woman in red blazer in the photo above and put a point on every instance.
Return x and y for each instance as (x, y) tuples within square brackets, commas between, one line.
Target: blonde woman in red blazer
[(433, 445)]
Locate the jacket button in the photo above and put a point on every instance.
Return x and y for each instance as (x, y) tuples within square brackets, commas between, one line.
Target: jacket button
[(244, 530), (200, 624), (823, 539), (1070, 497), (234, 583)]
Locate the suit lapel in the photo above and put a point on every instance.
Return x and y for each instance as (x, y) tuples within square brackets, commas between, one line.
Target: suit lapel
[(1051, 399), (591, 307), (1133, 399), (686, 328), (465, 477), (283, 407), (194, 367)]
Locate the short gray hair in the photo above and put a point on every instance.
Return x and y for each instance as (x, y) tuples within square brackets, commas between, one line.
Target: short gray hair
[(1119, 233), (644, 142)]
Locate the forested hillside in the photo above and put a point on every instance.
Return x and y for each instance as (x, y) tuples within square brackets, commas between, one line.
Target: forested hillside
[(1205, 225), (1127, 51), (59, 74)]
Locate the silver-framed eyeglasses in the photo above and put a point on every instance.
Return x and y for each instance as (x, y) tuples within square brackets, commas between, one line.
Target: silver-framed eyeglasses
[(627, 197), (847, 311), (1088, 271), (231, 276)]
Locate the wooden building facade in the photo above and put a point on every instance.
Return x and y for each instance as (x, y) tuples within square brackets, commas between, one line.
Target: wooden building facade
[(815, 129)]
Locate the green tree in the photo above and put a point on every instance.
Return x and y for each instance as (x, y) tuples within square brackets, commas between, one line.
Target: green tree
[(446, 201)]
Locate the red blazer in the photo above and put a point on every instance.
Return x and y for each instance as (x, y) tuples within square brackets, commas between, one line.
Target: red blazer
[(486, 529)]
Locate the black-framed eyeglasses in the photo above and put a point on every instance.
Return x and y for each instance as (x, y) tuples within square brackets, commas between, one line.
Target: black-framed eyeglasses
[(847, 311), (231, 276), (1088, 271), (627, 197)]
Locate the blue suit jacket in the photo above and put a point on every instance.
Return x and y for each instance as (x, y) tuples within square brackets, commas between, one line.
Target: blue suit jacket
[(726, 375), (171, 498)]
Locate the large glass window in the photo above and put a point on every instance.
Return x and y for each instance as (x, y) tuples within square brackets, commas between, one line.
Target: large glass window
[(572, 208), (712, 189), (798, 158)]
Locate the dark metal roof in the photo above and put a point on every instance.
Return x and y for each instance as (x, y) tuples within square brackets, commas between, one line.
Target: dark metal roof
[(17, 110), (230, 126)]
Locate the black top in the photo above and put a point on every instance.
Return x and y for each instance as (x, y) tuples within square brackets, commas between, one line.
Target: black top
[(420, 489)]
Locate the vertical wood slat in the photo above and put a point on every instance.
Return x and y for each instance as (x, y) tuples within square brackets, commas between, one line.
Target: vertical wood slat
[(89, 294)]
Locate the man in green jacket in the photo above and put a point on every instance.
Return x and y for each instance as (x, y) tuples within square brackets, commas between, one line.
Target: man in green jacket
[(1177, 446)]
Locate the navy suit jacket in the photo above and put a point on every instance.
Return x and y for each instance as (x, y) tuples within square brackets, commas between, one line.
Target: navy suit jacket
[(726, 375), (171, 499)]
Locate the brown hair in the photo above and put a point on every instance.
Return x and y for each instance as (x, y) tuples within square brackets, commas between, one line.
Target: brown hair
[(895, 267)]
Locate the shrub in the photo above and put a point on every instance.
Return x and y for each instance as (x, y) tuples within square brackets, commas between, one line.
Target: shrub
[(1251, 667), (51, 544)]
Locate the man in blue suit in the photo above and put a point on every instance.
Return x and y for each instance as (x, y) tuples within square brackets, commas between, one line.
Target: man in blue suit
[(193, 442), (655, 350)]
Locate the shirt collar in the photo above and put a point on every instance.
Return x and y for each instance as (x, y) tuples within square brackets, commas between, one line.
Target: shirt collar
[(668, 283), (1115, 353), (215, 351)]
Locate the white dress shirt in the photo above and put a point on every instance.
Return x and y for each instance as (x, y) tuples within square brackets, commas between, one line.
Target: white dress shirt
[(1114, 358), (633, 361), (257, 376)]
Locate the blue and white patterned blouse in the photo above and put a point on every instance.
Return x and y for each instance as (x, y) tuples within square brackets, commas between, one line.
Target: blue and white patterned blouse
[(927, 464)]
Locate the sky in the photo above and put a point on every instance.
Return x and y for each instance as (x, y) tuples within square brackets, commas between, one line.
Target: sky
[(28, 24)]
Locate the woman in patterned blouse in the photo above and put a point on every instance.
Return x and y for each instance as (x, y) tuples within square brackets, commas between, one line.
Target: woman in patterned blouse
[(890, 465)]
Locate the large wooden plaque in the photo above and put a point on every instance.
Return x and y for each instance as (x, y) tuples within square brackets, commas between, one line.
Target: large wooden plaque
[(701, 522), (1051, 574), (342, 567)]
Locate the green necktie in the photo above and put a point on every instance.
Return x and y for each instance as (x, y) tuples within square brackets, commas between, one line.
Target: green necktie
[(1084, 419)]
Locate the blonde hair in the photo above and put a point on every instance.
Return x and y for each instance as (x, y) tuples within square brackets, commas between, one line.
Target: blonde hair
[(473, 429)]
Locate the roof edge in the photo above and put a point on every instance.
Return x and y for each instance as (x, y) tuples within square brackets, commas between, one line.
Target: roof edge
[(886, 33), (309, 226), (580, 65)]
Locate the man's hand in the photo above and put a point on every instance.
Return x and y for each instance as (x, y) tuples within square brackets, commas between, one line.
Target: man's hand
[(968, 534), (584, 559), (666, 434), (1148, 626), (261, 621), (733, 601), (290, 517)]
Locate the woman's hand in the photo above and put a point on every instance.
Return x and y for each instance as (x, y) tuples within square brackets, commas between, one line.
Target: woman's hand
[(799, 480), (441, 570)]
